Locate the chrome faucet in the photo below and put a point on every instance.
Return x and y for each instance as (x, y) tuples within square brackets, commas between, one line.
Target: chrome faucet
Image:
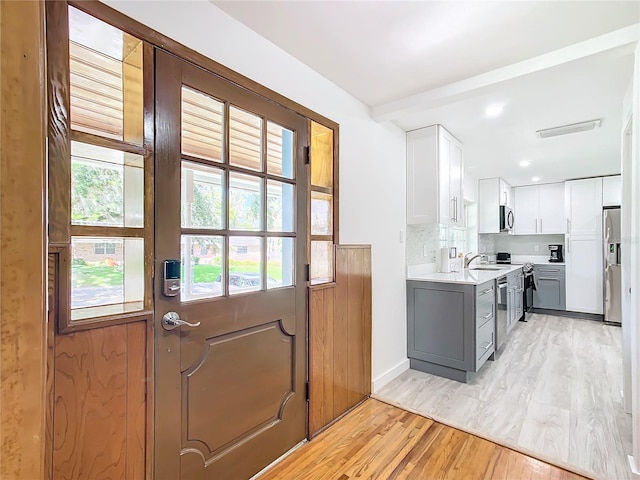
[(468, 261)]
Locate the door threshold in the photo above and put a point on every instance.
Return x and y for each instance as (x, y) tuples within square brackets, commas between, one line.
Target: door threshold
[(279, 459)]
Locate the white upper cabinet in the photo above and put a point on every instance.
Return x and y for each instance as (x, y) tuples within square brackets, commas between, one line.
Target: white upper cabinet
[(583, 207), (539, 209), (526, 210), (506, 194), (612, 191), (551, 208), (492, 194), (434, 177)]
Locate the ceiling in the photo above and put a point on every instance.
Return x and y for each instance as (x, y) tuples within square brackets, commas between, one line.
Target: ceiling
[(407, 51)]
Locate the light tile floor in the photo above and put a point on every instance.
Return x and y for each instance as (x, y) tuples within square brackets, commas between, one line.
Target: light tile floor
[(554, 391)]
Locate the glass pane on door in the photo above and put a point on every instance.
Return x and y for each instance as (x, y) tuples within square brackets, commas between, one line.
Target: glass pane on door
[(202, 266), (245, 202), (202, 125), (202, 196), (245, 264), (245, 139), (279, 150), (280, 206), (280, 262)]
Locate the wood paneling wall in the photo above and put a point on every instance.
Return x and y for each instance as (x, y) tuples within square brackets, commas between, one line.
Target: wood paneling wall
[(340, 338), (22, 241), (100, 403)]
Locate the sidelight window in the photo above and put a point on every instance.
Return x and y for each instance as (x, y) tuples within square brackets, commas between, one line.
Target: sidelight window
[(323, 213), (99, 167)]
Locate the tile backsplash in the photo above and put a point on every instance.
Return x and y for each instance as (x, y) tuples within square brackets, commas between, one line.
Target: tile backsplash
[(517, 244), (424, 242)]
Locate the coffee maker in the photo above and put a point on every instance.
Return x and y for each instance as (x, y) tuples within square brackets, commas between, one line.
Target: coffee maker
[(556, 253)]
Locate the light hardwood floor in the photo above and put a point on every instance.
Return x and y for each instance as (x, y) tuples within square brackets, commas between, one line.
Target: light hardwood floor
[(379, 441), (554, 392)]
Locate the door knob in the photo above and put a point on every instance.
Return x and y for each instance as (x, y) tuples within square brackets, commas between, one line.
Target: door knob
[(171, 320)]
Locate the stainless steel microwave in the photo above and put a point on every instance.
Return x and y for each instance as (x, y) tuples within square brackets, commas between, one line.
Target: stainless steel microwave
[(506, 219)]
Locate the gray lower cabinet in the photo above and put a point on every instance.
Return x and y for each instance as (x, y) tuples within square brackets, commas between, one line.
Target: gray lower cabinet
[(451, 327), (550, 292)]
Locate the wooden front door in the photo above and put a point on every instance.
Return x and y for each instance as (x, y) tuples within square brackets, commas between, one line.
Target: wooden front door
[(231, 205)]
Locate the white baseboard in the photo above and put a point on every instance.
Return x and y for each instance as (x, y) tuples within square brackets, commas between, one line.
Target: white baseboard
[(634, 468), (389, 375)]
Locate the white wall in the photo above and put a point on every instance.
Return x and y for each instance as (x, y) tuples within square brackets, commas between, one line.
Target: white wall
[(635, 260), (626, 267), (372, 155)]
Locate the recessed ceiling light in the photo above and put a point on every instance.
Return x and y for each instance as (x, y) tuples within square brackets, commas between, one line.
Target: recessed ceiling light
[(535, 179), (494, 110), (525, 163)]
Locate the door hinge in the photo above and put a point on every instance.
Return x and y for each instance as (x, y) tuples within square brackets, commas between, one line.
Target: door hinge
[(306, 391), (307, 155), (307, 272)]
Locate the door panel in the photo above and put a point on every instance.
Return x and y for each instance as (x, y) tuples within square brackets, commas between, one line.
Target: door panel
[(230, 391)]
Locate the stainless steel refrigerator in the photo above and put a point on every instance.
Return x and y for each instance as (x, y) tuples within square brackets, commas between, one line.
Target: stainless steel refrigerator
[(612, 275)]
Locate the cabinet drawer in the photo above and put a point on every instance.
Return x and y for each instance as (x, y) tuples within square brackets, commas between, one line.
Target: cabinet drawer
[(486, 292), (485, 340), (485, 312), (550, 271)]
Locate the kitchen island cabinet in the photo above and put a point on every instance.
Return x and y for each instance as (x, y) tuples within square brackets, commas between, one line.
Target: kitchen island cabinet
[(451, 327)]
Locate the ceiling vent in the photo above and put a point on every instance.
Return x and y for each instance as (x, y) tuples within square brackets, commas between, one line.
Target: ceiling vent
[(566, 129)]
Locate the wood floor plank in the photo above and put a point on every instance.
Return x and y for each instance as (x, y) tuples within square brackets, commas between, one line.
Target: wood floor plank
[(379, 441)]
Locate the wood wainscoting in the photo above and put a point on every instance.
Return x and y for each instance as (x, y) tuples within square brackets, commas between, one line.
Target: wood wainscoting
[(340, 338), (100, 406)]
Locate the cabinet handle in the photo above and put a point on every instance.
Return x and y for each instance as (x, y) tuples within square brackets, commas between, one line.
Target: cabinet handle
[(456, 208), (488, 290), (536, 220), (453, 205), (549, 270), (488, 346), (568, 226), (540, 225), (551, 279), (488, 316)]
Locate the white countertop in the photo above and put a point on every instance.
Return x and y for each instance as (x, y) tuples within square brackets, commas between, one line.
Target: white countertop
[(536, 259), (466, 276)]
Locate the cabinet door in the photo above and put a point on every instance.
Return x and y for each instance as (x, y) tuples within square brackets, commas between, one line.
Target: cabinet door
[(584, 274), (488, 205), (551, 211), (583, 207), (422, 176), (455, 183), (612, 191), (548, 293), (445, 198), (506, 194), (504, 200), (526, 210)]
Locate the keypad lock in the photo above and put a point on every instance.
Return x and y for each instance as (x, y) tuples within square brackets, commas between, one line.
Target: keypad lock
[(171, 278)]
